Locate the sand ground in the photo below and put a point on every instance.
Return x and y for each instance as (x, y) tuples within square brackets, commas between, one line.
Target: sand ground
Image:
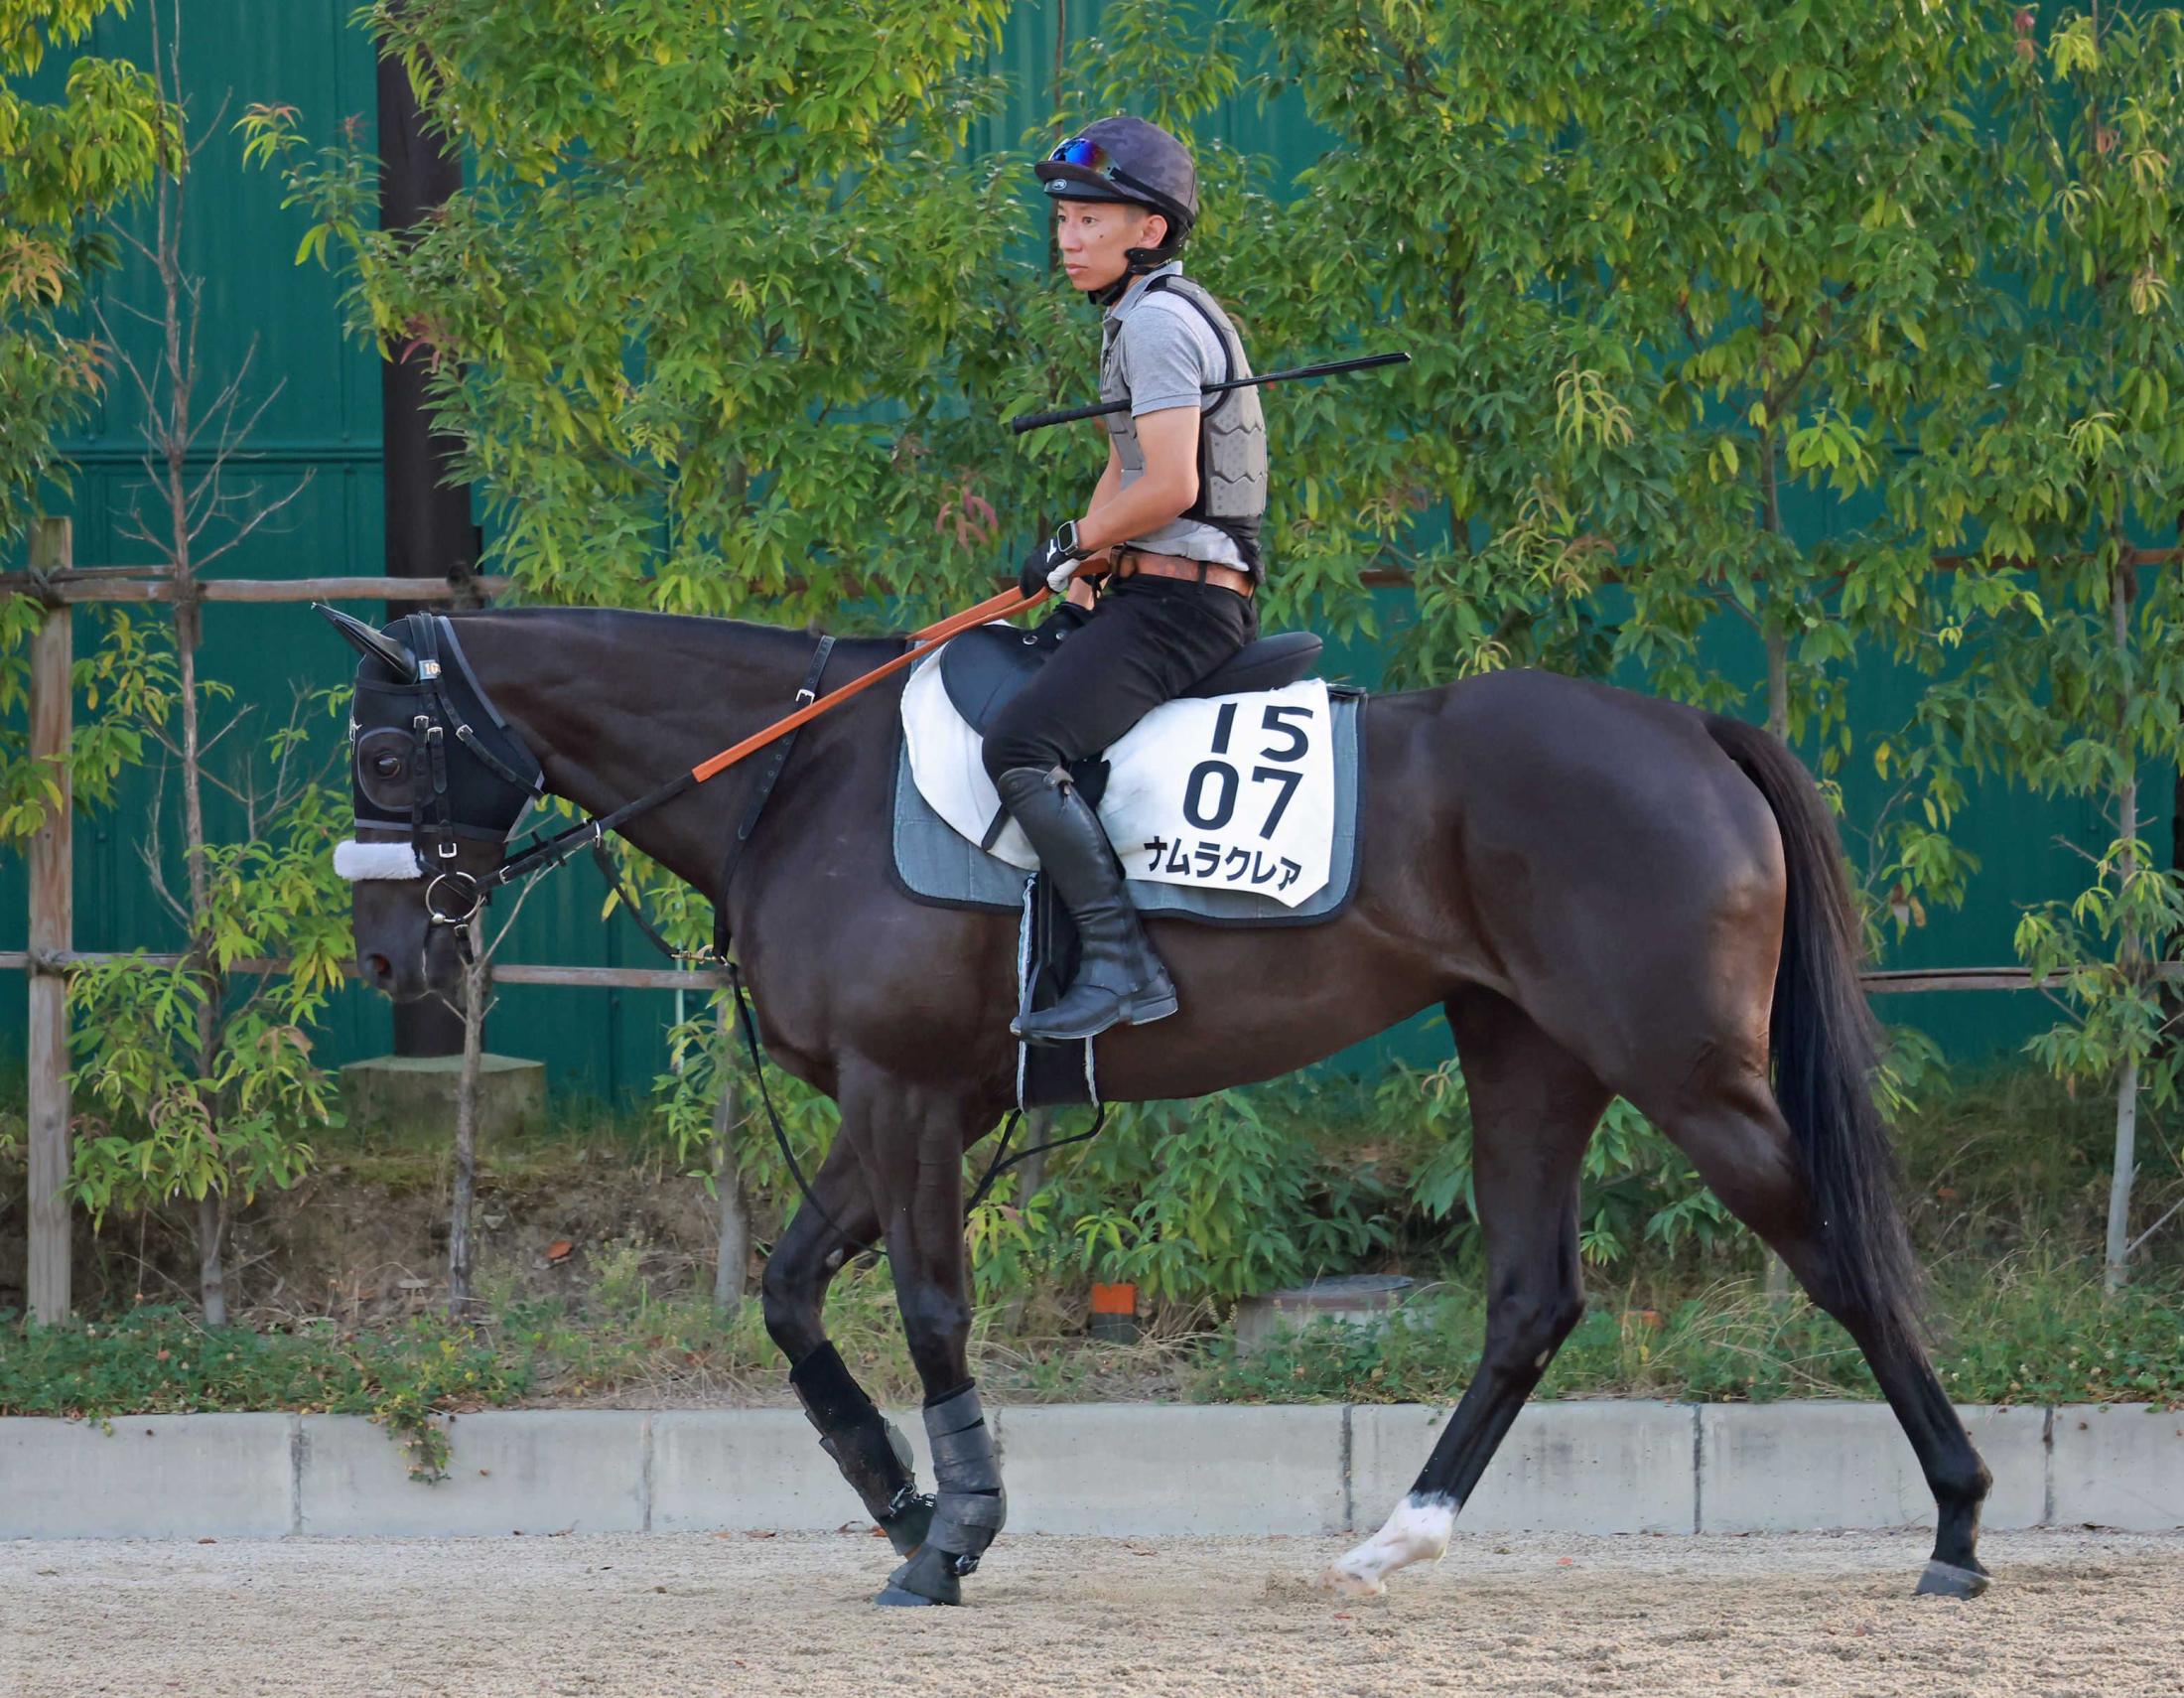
[(633, 1616)]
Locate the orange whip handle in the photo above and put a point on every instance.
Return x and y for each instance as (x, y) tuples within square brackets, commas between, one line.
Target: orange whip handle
[(926, 641)]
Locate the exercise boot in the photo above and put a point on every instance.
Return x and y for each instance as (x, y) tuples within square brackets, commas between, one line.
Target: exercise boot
[(868, 1448)]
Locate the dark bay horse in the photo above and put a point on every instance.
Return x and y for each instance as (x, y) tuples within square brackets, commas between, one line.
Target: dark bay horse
[(1608, 895)]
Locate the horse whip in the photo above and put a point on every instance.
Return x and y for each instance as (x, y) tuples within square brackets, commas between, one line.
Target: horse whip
[(1039, 421)]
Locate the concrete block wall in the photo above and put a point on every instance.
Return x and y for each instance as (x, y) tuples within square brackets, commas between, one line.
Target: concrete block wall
[(1148, 1470)]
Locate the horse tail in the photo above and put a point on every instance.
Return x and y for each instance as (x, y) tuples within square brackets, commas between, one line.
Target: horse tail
[(1825, 1044)]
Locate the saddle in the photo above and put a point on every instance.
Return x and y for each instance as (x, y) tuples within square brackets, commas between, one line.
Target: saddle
[(982, 669)]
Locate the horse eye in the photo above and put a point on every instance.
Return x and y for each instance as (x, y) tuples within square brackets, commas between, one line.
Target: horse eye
[(386, 765)]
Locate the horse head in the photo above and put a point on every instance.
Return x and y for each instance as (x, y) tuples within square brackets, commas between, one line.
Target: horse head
[(439, 780)]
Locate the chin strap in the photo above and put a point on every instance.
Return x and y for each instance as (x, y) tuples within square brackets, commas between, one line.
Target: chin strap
[(1137, 262)]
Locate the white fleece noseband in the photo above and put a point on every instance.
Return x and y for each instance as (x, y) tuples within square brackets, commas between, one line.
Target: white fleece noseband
[(353, 861)]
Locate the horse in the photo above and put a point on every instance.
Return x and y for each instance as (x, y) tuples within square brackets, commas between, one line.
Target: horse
[(1607, 895)]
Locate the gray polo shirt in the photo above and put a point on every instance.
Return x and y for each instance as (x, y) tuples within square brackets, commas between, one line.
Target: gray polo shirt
[(1168, 355)]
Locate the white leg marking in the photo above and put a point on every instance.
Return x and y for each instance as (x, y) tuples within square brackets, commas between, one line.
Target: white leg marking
[(1417, 1531)]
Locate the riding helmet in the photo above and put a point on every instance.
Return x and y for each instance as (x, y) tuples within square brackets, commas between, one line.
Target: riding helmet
[(1128, 160)]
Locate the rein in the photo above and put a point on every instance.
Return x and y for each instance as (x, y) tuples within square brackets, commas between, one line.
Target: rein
[(543, 855)]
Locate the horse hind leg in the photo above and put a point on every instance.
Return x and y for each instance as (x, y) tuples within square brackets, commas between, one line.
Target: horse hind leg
[(1743, 1148), (1534, 1106), (870, 1450)]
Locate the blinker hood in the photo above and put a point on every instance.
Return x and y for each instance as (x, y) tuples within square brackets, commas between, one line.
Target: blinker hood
[(429, 753)]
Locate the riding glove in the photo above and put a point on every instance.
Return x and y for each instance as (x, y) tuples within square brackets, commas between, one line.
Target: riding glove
[(1052, 563)]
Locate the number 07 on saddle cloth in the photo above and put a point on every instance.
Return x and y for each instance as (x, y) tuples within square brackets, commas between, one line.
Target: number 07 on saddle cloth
[(1228, 793)]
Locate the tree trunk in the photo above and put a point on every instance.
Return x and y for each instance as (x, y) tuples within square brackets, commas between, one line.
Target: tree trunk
[(476, 979), (427, 510), (211, 1269), (731, 1266), (188, 627), (2116, 1274), (171, 437)]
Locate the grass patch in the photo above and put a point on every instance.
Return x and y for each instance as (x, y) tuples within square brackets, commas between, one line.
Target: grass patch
[(2038, 1333), (2024, 1334)]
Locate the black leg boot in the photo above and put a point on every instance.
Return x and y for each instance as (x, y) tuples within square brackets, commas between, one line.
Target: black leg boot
[(1119, 978), (968, 1510), (868, 1448)]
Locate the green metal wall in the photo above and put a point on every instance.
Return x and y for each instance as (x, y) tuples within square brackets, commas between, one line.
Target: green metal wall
[(324, 424)]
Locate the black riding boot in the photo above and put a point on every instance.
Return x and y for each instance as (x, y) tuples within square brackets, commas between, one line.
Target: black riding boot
[(1119, 978)]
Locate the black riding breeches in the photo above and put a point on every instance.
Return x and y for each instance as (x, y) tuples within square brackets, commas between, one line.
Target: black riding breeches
[(1149, 641)]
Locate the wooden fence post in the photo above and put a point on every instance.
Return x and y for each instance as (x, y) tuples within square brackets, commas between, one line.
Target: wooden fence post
[(51, 908)]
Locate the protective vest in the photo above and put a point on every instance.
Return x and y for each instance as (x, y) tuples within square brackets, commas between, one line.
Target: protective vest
[(1232, 431)]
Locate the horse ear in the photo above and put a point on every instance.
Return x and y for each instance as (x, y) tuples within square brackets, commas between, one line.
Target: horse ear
[(365, 640)]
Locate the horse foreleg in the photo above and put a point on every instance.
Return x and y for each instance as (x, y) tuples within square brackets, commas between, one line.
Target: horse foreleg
[(914, 1156), (868, 1448), (1532, 1109)]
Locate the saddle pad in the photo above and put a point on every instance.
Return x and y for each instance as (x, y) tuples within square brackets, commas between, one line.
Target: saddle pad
[(937, 863)]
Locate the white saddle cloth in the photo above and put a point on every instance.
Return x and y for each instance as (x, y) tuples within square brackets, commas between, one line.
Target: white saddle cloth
[(1233, 792)]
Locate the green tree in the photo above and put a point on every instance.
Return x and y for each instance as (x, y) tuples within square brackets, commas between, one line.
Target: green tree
[(692, 311), (1674, 268), (63, 166), (2057, 475), (202, 1085)]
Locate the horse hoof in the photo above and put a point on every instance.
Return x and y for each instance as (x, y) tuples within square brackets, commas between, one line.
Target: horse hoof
[(894, 1597), (929, 1577), (1947, 1580), (1350, 1584)]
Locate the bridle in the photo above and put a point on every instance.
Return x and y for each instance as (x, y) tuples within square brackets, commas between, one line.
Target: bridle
[(450, 718), (431, 754)]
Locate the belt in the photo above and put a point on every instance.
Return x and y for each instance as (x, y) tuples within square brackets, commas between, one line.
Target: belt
[(1129, 562)]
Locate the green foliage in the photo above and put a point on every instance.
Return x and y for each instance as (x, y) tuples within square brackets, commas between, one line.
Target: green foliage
[(704, 1060), (160, 1361), (2088, 950), (2050, 1338), (2067, 675), (2013, 1334), (1214, 1200), (172, 1115), (66, 165), (697, 304), (1637, 1186)]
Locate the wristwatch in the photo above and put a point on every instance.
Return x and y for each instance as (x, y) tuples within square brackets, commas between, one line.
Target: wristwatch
[(1065, 542)]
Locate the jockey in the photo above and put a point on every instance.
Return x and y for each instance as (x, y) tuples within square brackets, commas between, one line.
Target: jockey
[(1172, 530)]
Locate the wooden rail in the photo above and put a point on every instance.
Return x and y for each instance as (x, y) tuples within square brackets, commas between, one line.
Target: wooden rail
[(59, 963), (1896, 981), (70, 585)]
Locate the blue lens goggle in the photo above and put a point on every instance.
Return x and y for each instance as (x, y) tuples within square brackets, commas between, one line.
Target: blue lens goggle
[(1078, 151)]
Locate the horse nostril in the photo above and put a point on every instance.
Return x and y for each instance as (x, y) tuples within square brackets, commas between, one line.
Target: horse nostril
[(381, 969)]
